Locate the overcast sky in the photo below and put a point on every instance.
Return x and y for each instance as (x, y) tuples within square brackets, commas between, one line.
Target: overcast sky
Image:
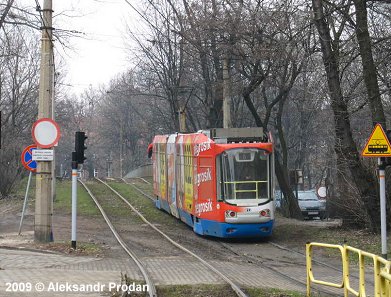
[(100, 54)]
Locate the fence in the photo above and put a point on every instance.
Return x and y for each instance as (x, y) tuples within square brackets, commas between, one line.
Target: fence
[(380, 266), (142, 171)]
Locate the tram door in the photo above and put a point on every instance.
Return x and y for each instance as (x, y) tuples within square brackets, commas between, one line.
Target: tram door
[(171, 172)]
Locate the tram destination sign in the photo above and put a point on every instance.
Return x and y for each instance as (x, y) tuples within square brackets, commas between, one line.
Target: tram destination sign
[(377, 144)]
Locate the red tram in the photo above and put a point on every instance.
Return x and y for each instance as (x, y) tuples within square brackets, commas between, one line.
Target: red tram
[(219, 181)]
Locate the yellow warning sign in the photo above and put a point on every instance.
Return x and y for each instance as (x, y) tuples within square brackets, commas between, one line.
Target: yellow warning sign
[(377, 144)]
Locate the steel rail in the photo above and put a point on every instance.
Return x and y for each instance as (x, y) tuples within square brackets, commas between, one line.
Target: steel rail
[(295, 280), (139, 190), (144, 180), (147, 278), (279, 246), (234, 287), (321, 263), (275, 270)]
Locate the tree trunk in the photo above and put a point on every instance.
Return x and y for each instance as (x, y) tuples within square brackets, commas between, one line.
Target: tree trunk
[(345, 147), (281, 171), (290, 200), (368, 65)]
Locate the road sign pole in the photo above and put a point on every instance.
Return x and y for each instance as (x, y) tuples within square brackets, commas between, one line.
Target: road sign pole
[(74, 203), (383, 220), (25, 203), (378, 145)]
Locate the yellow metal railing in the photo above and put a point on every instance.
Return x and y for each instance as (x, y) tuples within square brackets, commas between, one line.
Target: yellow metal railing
[(256, 190), (381, 271)]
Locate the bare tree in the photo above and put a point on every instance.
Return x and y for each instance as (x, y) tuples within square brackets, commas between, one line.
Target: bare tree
[(5, 11), (345, 146), (18, 93), (369, 68)]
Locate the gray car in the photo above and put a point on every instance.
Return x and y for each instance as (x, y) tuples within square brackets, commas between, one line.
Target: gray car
[(310, 204)]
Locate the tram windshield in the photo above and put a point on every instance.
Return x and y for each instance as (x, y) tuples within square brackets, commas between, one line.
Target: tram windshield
[(244, 176)]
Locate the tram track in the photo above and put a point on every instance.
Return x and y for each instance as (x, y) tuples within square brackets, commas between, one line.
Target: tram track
[(238, 291), (269, 265), (275, 265), (126, 248), (266, 263), (276, 245)]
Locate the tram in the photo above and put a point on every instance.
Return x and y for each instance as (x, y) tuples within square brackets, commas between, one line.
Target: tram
[(220, 181)]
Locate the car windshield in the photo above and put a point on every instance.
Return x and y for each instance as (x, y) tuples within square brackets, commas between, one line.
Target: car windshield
[(307, 196), (244, 175)]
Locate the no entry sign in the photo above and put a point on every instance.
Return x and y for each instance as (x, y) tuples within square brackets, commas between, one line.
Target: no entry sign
[(27, 158), (46, 133)]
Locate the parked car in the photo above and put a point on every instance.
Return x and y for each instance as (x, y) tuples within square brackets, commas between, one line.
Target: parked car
[(277, 198), (310, 204)]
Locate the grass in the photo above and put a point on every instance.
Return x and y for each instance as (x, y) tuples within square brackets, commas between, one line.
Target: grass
[(63, 204), (143, 205), (262, 292), (295, 236), (20, 189), (292, 235), (113, 206), (196, 291), (298, 236), (147, 188), (209, 290), (82, 248), (63, 200)]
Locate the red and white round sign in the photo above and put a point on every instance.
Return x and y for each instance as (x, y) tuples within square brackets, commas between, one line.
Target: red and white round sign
[(46, 133), (322, 192)]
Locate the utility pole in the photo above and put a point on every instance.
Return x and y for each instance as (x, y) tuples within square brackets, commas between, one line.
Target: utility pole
[(121, 139), (226, 95), (44, 201), (109, 163), (182, 119)]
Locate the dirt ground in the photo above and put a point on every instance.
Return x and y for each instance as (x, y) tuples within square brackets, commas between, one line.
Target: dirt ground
[(95, 239), (93, 236)]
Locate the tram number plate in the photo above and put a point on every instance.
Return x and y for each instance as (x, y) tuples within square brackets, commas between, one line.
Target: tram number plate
[(313, 212)]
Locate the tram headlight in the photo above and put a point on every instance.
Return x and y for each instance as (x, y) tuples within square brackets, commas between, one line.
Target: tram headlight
[(265, 213), (230, 214)]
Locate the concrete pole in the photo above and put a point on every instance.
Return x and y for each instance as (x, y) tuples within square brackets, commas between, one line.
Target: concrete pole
[(226, 95), (182, 120), (43, 200), (121, 140)]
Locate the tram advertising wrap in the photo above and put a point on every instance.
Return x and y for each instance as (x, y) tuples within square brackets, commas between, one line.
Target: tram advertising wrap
[(220, 181)]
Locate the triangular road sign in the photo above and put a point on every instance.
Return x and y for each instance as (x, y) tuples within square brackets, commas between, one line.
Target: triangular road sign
[(378, 144)]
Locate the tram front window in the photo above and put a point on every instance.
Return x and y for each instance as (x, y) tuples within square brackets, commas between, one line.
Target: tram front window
[(244, 175)]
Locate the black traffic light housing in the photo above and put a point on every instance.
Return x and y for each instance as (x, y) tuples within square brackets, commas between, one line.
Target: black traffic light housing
[(78, 156)]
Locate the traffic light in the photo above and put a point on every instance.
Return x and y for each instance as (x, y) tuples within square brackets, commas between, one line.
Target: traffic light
[(80, 137)]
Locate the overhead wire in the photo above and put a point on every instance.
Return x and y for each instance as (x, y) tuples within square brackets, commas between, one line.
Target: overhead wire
[(143, 16), (159, 32)]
